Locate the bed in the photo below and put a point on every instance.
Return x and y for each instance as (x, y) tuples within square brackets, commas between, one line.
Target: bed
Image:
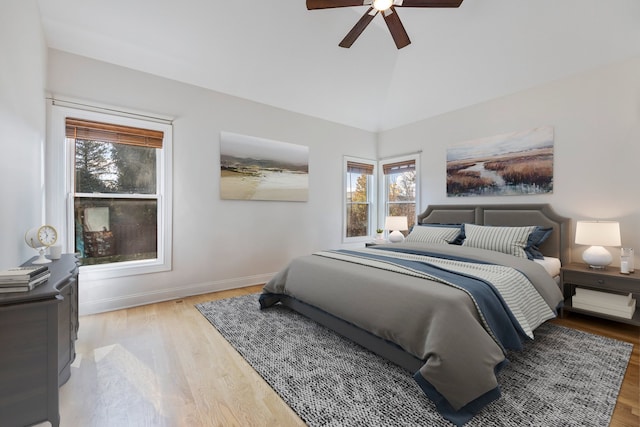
[(447, 309)]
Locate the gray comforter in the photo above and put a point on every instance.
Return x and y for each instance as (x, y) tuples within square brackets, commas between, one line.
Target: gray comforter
[(431, 319)]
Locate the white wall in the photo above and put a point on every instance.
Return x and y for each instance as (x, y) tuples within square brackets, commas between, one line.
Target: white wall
[(218, 244), (22, 127), (596, 117)]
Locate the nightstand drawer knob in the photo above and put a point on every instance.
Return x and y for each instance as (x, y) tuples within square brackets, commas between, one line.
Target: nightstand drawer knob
[(600, 281)]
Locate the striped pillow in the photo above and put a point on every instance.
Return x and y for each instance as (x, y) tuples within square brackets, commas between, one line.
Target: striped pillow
[(433, 234), (509, 240)]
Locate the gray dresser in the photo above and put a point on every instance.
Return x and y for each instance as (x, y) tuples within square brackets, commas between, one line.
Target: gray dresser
[(38, 330)]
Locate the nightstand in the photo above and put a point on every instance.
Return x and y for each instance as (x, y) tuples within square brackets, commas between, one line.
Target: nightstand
[(610, 280)]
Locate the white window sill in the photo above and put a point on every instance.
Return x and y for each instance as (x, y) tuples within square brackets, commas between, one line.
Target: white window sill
[(122, 269)]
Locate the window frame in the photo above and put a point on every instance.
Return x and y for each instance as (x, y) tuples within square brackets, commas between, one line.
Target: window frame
[(60, 186), (383, 207), (372, 200)]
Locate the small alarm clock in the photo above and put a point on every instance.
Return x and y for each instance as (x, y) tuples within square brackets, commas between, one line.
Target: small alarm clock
[(40, 238)]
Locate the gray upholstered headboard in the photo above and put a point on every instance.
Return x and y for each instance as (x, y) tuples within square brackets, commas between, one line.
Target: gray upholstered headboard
[(558, 245)]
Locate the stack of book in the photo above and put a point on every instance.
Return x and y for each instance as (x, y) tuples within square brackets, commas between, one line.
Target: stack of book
[(23, 279), (605, 302)]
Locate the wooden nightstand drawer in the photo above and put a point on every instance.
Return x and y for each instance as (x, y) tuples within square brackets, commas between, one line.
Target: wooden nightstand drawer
[(624, 283)]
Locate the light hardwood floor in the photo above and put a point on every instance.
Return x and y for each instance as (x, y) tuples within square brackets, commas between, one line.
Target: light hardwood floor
[(165, 365)]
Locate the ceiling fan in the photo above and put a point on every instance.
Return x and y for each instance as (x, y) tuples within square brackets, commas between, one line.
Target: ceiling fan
[(387, 8)]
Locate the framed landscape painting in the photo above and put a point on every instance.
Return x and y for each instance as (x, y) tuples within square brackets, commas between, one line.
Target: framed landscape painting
[(254, 168), (519, 163)]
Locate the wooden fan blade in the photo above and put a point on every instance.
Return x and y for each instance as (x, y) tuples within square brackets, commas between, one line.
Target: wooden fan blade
[(358, 28), (399, 34), (328, 4), (429, 3)]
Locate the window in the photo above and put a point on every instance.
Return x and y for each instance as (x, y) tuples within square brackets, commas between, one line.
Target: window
[(360, 200), (400, 188), (115, 196), (118, 174)]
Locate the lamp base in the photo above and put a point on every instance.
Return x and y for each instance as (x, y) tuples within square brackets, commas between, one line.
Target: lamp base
[(396, 237), (597, 257)]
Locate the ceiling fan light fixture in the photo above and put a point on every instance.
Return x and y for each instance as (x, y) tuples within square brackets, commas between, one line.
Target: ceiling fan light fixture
[(382, 5), (386, 8)]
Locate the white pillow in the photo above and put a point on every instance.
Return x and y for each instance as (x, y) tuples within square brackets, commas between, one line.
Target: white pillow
[(509, 240), (427, 234)]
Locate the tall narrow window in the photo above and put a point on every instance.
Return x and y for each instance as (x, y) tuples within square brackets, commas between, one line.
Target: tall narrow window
[(400, 189), (116, 191), (359, 191)]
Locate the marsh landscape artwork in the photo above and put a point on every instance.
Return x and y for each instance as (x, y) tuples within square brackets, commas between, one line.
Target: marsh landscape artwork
[(254, 168), (519, 163)]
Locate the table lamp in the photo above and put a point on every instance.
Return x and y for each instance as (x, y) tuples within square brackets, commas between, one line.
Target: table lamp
[(396, 224), (597, 234)]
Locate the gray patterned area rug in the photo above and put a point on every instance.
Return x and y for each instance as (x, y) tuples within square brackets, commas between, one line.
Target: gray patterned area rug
[(563, 378)]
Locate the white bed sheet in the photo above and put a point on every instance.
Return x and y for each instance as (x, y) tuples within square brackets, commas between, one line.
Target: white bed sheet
[(552, 265)]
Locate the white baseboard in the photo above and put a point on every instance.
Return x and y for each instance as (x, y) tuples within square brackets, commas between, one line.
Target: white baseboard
[(143, 298)]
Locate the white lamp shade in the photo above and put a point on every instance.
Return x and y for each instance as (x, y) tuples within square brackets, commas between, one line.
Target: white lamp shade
[(598, 233), (396, 223)]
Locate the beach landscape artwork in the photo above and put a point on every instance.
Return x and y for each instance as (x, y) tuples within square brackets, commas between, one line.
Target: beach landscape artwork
[(519, 163), (254, 168)]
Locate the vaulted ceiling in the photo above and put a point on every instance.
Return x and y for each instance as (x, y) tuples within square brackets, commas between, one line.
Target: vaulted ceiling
[(279, 53)]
